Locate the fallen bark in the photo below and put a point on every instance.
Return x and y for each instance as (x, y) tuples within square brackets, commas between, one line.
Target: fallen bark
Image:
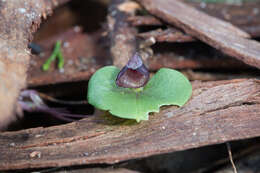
[(219, 34), (218, 112), (19, 19)]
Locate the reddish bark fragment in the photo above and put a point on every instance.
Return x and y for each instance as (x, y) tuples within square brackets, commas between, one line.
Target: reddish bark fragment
[(217, 112)]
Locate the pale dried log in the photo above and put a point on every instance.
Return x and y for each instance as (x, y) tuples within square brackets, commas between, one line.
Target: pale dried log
[(18, 20), (217, 33), (121, 33), (218, 112)]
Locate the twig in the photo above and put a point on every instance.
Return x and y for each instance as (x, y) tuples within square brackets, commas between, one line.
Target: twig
[(63, 102), (230, 157), (238, 155), (31, 101), (122, 34)]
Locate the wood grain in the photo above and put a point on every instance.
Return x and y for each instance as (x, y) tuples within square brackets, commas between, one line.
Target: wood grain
[(217, 112)]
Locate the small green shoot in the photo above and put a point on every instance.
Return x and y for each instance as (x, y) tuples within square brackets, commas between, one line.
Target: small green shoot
[(166, 87), (55, 54)]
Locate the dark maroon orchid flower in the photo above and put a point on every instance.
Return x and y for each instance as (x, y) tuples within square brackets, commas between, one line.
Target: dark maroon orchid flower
[(134, 74)]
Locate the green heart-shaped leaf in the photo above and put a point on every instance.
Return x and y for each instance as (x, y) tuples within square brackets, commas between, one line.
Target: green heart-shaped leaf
[(167, 87)]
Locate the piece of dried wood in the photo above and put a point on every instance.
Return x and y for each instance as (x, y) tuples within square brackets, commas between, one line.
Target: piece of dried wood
[(167, 35), (217, 33), (121, 33), (18, 20), (217, 112)]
